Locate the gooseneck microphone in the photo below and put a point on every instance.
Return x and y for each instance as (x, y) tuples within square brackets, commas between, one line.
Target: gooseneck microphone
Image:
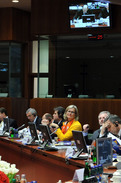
[(53, 132), (20, 127)]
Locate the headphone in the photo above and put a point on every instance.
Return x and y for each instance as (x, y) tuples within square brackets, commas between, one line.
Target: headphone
[(116, 124), (60, 114)]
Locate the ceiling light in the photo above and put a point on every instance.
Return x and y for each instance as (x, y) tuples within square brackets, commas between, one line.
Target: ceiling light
[(15, 1)]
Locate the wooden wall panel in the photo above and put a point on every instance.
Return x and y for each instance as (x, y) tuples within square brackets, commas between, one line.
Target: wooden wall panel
[(16, 108), (5, 24), (88, 108), (14, 24), (19, 107), (43, 105), (6, 102), (20, 25), (49, 17)]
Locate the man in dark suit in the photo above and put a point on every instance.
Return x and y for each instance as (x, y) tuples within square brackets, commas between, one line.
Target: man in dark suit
[(3, 114), (58, 115), (113, 125), (31, 114)]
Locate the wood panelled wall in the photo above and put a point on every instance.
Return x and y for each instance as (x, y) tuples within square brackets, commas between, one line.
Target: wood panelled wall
[(16, 108), (88, 108), (52, 18), (14, 25)]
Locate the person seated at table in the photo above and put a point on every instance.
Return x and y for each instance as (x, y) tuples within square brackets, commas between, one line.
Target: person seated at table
[(85, 132), (32, 116), (58, 115), (113, 126), (3, 114), (47, 120), (102, 116), (71, 123)]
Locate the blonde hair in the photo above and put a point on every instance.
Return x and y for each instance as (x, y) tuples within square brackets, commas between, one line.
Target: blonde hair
[(76, 112)]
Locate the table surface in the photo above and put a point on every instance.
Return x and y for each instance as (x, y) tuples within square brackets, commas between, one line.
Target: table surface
[(40, 165)]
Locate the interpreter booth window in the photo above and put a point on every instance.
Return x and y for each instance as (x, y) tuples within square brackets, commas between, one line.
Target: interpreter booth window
[(10, 69), (15, 68), (40, 66)]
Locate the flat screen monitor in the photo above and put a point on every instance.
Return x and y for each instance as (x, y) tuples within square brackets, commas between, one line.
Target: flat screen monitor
[(45, 133), (6, 124), (33, 130), (80, 141), (104, 151), (89, 14)]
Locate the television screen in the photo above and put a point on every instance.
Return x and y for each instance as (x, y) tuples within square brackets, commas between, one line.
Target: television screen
[(89, 15), (104, 151)]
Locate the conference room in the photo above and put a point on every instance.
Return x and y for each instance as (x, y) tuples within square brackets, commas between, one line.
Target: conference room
[(45, 63)]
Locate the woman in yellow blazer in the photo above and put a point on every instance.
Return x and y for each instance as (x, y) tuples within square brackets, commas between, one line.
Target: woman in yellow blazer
[(71, 123)]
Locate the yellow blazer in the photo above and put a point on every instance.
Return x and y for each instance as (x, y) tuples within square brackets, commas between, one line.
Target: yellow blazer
[(76, 125)]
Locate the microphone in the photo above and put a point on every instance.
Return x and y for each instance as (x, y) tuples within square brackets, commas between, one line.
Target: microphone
[(56, 123), (53, 132), (20, 127)]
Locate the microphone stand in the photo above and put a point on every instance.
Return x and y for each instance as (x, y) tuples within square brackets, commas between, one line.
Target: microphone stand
[(32, 140)]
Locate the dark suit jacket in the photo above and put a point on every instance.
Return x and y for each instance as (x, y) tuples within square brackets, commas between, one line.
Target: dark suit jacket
[(38, 122), (95, 134), (60, 123), (12, 123)]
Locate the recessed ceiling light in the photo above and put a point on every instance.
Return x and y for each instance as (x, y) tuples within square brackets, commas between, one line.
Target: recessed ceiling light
[(15, 1)]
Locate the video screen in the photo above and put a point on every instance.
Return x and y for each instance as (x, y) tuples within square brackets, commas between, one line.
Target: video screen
[(104, 151), (89, 15)]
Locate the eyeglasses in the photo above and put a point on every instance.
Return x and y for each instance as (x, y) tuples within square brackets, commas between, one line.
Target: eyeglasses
[(72, 112)]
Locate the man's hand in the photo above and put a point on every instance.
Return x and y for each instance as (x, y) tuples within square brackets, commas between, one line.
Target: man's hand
[(54, 125), (104, 126), (86, 128)]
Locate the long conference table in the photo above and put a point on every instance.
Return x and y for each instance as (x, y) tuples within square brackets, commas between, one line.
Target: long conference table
[(42, 166)]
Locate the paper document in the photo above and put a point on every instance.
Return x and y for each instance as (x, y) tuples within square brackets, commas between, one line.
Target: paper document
[(114, 137)]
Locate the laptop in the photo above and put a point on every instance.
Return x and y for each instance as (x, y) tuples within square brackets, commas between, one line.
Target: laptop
[(34, 135), (80, 144)]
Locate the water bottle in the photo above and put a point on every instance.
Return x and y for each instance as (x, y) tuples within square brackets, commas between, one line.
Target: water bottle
[(17, 178), (86, 171), (23, 179), (94, 155)]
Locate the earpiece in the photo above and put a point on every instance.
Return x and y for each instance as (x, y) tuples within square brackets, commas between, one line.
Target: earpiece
[(60, 115), (116, 124)]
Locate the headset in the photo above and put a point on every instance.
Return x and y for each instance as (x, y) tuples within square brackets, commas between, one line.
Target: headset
[(116, 124), (60, 115)]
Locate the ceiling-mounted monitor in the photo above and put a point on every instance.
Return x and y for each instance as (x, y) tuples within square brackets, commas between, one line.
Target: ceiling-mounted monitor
[(90, 14)]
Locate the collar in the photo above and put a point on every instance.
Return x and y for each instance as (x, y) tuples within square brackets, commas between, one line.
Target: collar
[(119, 133), (35, 119)]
